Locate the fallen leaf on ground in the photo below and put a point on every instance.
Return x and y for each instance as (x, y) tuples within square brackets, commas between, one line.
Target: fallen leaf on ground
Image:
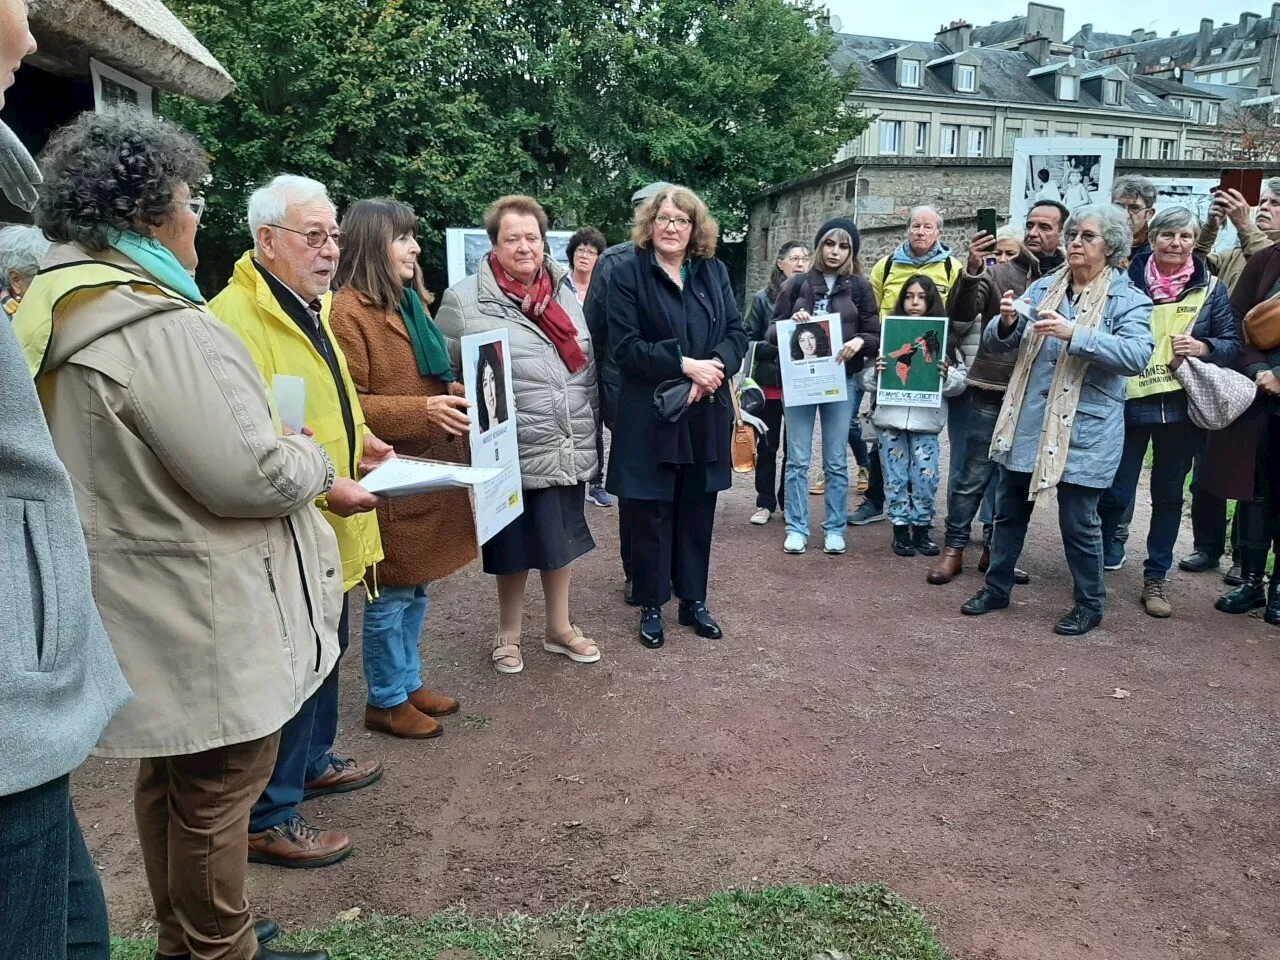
[(1121, 694), (347, 916)]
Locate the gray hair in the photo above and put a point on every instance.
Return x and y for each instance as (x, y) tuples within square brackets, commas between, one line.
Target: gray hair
[(1117, 234), (1174, 220), (1272, 186), (925, 208), (21, 250), (1010, 231), (270, 203), (1132, 186)]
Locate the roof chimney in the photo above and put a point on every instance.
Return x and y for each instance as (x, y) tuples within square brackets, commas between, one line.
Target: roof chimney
[(1204, 38), (1247, 20), (1151, 35), (1275, 15), (1137, 36), (956, 36), (1037, 48), (1086, 30)]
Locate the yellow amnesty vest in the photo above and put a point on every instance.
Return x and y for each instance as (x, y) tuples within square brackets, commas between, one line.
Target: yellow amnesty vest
[(1167, 321)]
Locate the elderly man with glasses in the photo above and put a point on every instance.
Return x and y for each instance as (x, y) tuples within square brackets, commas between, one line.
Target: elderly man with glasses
[(278, 303)]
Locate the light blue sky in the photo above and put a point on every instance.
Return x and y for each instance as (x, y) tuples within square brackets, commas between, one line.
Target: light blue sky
[(919, 19)]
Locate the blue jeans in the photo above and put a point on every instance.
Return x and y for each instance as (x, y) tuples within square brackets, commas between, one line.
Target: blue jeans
[(306, 747), (51, 903), (856, 443), (1081, 537), (971, 487), (392, 628), (1174, 446), (909, 458), (835, 464)]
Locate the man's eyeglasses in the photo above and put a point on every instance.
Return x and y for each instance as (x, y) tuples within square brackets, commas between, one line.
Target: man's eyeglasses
[(315, 237), (680, 223), (196, 204)]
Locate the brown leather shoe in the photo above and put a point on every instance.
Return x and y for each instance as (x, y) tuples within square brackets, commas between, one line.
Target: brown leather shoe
[(984, 561), (947, 567), (298, 845), (343, 776), (432, 704), (402, 720)]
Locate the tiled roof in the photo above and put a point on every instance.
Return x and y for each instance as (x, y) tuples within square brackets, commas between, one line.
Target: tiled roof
[(1004, 31), (1181, 50)]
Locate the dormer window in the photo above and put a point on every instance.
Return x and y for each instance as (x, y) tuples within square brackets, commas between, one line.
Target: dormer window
[(1210, 113), (966, 78), (1068, 88), (1111, 92), (1215, 52), (1193, 111), (1165, 61), (908, 73)]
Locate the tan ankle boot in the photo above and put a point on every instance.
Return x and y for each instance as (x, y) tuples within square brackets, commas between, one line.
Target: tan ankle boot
[(947, 567), (433, 704), (402, 720)]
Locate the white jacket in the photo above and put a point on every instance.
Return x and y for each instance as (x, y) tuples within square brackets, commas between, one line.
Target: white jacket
[(886, 416)]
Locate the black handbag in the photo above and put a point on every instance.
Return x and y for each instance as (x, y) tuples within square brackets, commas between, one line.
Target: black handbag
[(671, 399)]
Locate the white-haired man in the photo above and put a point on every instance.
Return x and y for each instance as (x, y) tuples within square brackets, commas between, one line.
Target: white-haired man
[(922, 252), (278, 302)]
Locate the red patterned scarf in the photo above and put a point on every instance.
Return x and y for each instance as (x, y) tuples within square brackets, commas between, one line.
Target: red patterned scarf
[(541, 307)]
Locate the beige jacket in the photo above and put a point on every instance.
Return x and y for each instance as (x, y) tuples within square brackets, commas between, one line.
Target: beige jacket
[(556, 410), (218, 582), (1228, 265)]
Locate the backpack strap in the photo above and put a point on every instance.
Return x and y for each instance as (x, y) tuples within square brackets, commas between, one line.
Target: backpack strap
[(888, 268)]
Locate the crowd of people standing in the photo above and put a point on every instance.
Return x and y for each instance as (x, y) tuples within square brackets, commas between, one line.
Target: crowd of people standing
[(148, 446)]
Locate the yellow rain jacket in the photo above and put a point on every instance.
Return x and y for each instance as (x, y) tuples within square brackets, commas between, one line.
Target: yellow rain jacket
[(249, 307)]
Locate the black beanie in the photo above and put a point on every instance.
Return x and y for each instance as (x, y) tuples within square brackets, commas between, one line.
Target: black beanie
[(838, 223)]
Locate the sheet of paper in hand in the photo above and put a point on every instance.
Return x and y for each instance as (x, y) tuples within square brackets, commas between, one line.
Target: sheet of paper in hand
[(807, 358), (912, 348), (486, 376), (399, 477)]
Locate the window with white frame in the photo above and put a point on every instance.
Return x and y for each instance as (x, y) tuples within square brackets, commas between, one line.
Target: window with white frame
[(1111, 91), (1011, 135), (909, 73), (1188, 153), (1068, 88), (922, 138), (1231, 76), (1176, 103), (949, 140), (1193, 111), (1122, 147), (1215, 51), (1167, 148), (1165, 61), (1210, 113), (1144, 148), (890, 136), (966, 78), (977, 142)]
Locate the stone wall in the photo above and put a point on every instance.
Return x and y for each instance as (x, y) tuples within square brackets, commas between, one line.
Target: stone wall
[(879, 192)]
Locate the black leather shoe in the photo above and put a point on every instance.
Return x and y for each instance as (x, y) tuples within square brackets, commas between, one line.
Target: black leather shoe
[(1078, 622), (266, 953), (1272, 616), (903, 545), (923, 542), (266, 931), (694, 614), (1250, 595), (1233, 577), (984, 601), (1198, 562), (651, 627), (629, 593)]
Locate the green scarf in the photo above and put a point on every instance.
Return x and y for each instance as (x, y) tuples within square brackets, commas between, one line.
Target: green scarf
[(428, 342), (157, 261)]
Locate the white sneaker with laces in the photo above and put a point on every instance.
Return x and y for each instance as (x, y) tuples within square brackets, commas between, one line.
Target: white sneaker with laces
[(833, 543), (761, 517), (794, 543)]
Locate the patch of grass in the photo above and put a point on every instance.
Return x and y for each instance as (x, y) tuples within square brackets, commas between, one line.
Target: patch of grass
[(864, 922)]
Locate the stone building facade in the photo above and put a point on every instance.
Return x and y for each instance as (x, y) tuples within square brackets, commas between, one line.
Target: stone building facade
[(879, 192)]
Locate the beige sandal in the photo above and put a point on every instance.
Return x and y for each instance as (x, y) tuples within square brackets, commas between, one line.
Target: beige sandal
[(573, 645), (506, 655)]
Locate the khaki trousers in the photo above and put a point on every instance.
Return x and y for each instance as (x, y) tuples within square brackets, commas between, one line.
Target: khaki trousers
[(193, 824)]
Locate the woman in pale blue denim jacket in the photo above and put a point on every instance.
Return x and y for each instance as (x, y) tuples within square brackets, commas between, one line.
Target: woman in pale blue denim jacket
[(1098, 239)]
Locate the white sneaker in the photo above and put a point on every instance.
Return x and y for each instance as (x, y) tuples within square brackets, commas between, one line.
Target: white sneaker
[(794, 543), (761, 517), (833, 543)]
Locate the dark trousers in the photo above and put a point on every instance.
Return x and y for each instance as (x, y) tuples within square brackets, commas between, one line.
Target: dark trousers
[(1208, 516), (624, 534), (1081, 537), (51, 903), (193, 818), (875, 478), (598, 479), (671, 541), (767, 445), (306, 747), (971, 478), (1174, 446), (861, 455)]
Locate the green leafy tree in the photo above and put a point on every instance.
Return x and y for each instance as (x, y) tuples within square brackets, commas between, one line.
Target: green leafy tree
[(448, 105)]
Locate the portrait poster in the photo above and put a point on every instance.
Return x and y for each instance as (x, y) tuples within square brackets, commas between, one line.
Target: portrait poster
[(486, 378), (1067, 170), (1196, 194), (807, 358), (464, 248), (912, 347)]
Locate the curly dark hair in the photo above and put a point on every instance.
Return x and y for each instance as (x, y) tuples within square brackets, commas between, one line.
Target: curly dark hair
[(821, 337), (585, 237), (117, 170)]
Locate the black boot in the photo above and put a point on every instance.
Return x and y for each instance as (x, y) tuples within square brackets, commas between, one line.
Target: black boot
[(651, 627), (1252, 592), (924, 543), (902, 544), (694, 614), (985, 560), (1272, 616)]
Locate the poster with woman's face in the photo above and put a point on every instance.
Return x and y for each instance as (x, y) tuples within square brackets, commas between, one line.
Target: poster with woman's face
[(486, 374), (810, 373)]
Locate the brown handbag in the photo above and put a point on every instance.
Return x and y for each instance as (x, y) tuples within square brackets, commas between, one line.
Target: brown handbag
[(744, 440), (1262, 323)]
